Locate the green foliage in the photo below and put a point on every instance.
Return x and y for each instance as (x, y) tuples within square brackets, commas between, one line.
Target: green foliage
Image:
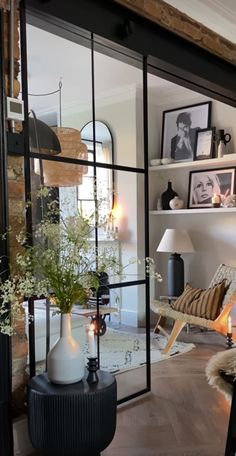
[(59, 265)]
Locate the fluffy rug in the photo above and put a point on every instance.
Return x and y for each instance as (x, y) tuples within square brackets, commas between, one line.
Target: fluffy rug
[(121, 351), (223, 361)]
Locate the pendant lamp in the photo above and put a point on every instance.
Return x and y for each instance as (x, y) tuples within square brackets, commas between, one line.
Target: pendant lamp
[(57, 174), (41, 137), (63, 141)]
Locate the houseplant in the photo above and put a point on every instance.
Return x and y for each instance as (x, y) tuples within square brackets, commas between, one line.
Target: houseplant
[(59, 265)]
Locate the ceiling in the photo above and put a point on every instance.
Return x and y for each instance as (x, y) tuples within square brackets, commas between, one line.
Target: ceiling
[(218, 15), (113, 78)]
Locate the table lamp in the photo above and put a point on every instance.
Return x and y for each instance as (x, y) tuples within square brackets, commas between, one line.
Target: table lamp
[(175, 242)]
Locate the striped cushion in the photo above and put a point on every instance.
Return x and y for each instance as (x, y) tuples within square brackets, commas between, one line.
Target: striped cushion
[(201, 303)]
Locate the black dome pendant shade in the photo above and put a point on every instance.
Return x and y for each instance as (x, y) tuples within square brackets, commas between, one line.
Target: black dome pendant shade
[(42, 138)]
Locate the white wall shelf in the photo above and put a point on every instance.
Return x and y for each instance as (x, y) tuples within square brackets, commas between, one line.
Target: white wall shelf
[(210, 210), (228, 160)]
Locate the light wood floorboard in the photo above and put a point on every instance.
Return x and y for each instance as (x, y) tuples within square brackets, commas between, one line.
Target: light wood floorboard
[(183, 415)]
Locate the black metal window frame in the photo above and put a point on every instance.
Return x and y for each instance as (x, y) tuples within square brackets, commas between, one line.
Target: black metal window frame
[(90, 41), (167, 55)]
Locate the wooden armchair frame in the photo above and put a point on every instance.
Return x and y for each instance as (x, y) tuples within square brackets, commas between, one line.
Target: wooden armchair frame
[(181, 319)]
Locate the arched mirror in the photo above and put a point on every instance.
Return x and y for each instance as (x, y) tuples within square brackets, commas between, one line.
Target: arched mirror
[(104, 153)]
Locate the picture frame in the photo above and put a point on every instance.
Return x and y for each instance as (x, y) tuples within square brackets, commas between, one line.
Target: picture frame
[(204, 184), (179, 128), (204, 143)]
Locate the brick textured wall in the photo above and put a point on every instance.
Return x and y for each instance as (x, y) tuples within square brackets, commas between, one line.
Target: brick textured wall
[(172, 19), (16, 194)]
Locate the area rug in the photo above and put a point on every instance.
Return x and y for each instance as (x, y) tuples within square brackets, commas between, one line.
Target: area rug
[(122, 351)]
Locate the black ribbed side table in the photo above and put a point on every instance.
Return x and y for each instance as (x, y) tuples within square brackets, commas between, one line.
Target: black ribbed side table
[(72, 420)]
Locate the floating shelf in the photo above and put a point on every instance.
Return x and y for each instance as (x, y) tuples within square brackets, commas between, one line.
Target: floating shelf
[(208, 210), (228, 160)]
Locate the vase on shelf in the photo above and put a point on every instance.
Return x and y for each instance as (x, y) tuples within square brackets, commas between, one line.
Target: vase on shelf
[(65, 361), (167, 196), (224, 138), (176, 203)]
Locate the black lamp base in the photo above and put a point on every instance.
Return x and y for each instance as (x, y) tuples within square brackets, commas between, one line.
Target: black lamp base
[(175, 275)]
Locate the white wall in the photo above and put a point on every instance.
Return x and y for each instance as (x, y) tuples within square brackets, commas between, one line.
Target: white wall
[(124, 120), (213, 235)]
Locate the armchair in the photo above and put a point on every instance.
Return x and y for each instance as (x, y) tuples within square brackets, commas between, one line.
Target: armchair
[(181, 319)]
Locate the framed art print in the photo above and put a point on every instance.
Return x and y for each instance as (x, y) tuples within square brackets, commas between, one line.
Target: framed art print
[(179, 129), (204, 143), (204, 184)]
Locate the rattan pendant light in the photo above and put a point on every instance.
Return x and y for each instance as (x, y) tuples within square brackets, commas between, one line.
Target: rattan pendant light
[(58, 174)]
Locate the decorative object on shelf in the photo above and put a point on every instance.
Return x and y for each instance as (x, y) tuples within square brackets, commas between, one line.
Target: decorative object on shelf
[(204, 143), (167, 196), (155, 162), (230, 157), (216, 200), (175, 242), (179, 128), (229, 339), (203, 184), (167, 161), (224, 138), (159, 205), (92, 367), (230, 201), (65, 361), (176, 203)]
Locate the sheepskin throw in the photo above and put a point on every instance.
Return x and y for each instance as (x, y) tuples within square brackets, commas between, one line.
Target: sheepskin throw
[(223, 361)]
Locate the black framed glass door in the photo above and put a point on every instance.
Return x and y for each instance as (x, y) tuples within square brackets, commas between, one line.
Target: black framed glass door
[(99, 84)]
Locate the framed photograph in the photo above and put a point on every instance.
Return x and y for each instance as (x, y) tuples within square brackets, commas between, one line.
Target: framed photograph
[(204, 143), (179, 128), (204, 184)]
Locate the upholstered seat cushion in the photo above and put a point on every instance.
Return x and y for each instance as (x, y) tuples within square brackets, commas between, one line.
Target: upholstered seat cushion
[(201, 303), (164, 309)]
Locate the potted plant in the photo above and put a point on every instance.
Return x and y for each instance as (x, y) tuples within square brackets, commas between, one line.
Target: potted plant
[(63, 265)]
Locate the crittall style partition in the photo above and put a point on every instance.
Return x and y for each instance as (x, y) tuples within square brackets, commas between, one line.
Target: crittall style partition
[(137, 47)]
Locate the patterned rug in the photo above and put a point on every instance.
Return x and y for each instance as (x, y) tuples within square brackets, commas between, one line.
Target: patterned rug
[(122, 351)]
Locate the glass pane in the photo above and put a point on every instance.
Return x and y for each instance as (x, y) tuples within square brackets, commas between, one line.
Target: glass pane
[(123, 346), (73, 71), (119, 102), (126, 225), (103, 153)]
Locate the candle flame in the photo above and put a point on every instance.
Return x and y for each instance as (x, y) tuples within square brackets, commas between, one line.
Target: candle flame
[(92, 327)]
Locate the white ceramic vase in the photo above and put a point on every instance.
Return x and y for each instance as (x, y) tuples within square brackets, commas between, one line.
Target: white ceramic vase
[(176, 203), (65, 361)]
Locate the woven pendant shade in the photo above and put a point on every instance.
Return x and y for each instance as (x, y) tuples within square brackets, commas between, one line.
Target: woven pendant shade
[(58, 174)]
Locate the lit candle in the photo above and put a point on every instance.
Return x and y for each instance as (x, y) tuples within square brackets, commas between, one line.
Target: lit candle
[(229, 330), (216, 199), (91, 341)]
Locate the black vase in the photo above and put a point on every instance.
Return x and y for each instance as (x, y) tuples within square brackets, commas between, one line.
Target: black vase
[(167, 196)]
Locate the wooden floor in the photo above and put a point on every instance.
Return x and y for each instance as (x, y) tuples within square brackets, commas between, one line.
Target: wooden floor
[(182, 415)]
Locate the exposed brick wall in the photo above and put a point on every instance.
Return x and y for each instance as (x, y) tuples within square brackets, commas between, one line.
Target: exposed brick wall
[(172, 19), (4, 4), (16, 194)]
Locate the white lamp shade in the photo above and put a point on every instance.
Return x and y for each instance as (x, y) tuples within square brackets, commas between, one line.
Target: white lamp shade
[(175, 241)]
